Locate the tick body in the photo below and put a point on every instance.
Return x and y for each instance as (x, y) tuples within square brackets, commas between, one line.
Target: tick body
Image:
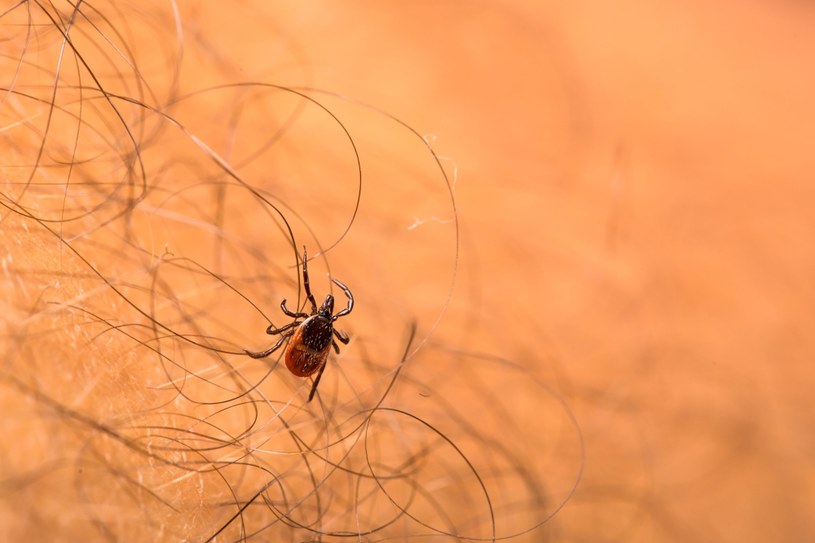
[(309, 346), (311, 339)]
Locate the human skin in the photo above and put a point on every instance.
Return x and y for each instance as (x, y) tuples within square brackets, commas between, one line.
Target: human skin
[(582, 269)]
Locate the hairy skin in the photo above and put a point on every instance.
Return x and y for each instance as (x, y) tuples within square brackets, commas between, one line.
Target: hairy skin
[(635, 210)]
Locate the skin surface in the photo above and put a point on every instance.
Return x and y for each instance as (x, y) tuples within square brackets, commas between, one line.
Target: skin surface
[(589, 313)]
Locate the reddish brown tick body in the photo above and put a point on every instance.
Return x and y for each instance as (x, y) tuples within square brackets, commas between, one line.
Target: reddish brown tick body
[(311, 339)]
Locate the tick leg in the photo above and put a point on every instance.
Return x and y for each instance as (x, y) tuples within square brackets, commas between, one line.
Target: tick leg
[(292, 314), (342, 336), (274, 331), (276, 346), (350, 300), (306, 284), (317, 379), (336, 347)]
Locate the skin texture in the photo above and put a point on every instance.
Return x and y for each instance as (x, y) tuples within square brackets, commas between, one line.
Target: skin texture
[(594, 300)]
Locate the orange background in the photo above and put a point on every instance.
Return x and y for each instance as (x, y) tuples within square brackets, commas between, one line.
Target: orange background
[(633, 188)]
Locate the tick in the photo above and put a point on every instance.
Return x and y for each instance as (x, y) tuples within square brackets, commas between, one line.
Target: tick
[(312, 338)]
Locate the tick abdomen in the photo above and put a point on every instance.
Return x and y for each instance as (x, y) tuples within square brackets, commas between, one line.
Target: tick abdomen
[(308, 348)]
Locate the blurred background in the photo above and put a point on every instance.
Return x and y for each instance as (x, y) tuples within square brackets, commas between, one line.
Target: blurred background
[(579, 237)]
